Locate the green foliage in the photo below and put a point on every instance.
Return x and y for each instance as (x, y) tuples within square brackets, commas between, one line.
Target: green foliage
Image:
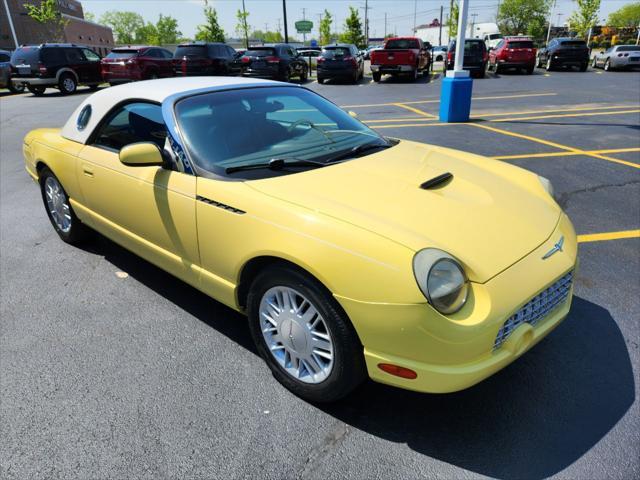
[(125, 25), (242, 27), (267, 37), (147, 34), (89, 16), (48, 14), (452, 19), (325, 28), (210, 31), (627, 16), (527, 17), (167, 30), (353, 29), (585, 17)]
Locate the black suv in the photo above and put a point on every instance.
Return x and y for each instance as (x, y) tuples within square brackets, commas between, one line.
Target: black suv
[(280, 62), (199, 58), (475, 58), (564, 52), (58, 65)]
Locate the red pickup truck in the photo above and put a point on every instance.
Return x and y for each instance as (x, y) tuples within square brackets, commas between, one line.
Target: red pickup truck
[(401, 56)]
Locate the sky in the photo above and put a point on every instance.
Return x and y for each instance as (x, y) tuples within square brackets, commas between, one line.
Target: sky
[(268, 13)]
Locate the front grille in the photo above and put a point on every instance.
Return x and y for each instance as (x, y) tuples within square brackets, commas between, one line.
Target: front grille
[(536, 308)]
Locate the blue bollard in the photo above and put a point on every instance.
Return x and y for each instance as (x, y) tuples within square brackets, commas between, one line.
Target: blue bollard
[(455, 99)]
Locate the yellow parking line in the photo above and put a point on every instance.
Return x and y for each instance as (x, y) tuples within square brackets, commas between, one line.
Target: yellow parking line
[(528, 112), (438, 100), (416, 110), (615, 160), (425, 124), (399, 119), (581, 114), (565, 154), (599, 237)]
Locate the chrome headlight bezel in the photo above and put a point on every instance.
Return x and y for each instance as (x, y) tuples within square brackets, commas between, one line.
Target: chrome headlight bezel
[(424, 263)]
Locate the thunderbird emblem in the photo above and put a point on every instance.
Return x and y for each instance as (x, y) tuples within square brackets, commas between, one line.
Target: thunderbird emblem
[(556, 248)]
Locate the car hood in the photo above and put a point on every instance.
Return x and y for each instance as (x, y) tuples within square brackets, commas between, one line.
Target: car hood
[(490, 215)]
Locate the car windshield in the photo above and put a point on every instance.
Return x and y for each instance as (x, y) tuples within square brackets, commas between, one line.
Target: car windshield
[(191, 51), (253, 126), (401, 44), (629, 48), (574, 43), (520, 44), (120, 54)]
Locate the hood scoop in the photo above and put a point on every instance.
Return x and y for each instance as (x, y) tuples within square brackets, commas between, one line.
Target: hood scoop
[(436, 182)]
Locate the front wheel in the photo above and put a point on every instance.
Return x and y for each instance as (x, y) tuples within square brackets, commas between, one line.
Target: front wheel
[(304, 336), (36, 90), (594, 63), (304, 75), (607, 66), (59, 210), (584, 66), (320, 80), (13, 88), (549, 66), (377, 76), (286, 76)]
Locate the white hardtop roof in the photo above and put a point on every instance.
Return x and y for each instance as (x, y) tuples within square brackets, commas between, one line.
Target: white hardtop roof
[(149, 90)]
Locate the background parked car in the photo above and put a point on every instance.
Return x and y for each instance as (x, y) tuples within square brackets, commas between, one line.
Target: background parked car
[(342, 61), (513, 52), (199, 58), (620, 56), (280, 61), (310, 56), (58, 65), (475, 59), (5, 73), (401, 56), (564, 52), (439, 53), (368, 50), (137, 63)]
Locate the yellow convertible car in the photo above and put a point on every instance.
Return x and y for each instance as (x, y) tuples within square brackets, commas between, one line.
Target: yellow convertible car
[(352, 254)]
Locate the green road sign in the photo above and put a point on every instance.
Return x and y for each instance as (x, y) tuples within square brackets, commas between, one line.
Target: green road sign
[(304, 26)]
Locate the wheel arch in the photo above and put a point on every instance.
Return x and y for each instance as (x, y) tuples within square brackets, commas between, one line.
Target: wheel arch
[(65, 70)]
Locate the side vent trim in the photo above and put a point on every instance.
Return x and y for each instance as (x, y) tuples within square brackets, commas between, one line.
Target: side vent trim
[(220, 205)]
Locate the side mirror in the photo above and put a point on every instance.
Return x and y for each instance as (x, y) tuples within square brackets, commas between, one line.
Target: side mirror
[(143, 154), (352, 114)]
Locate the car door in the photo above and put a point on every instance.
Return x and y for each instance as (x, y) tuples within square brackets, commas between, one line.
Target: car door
[(92, 65), (148, 209)]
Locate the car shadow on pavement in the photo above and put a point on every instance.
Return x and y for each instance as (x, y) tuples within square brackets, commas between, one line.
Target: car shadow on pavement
[(531, 420)]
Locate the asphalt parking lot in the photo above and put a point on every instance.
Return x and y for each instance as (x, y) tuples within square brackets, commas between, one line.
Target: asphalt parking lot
[(111, 368)]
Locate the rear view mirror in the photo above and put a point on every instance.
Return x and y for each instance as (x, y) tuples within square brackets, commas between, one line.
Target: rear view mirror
[(143, 154)]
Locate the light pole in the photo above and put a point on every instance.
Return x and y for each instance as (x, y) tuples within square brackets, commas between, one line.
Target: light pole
[(550, 14), (244, 26), (284, 14), (13, 30)]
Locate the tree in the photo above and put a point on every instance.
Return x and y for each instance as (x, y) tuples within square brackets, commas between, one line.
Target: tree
[(242, 27), (48, 14), (627, 16), (325, 28), (91, 17), (452, 20), (147, 34), (210, 31), (528, 17), (267, 37), (353, 29), (125, 25), (585, 17), (167, 30)]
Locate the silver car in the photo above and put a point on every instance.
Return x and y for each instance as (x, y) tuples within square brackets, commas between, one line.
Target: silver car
[(618, 57), (5, 73)]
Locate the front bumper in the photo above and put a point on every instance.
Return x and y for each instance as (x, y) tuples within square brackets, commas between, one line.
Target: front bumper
[(456, 352)]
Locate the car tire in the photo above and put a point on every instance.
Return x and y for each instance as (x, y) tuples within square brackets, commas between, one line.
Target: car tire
[(549, 65), (538, 62), (152, 76), (320, 80), (355, 78), (594, 63), (304, 75), (15, 89), (94, 87), (36, 90), (530, 70), (607, 66), (280, 298), (376, 76), (286, 76), (584, 67), (56, 203), (67, 84), (496, 68), (481, 72)]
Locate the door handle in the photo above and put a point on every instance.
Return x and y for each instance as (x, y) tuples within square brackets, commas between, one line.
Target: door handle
[(87, 170)]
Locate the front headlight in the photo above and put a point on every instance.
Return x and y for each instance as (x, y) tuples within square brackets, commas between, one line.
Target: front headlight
[(441, 279), (546, 183)]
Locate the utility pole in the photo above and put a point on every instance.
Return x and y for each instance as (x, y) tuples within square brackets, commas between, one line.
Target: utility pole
[(266, 27), (284, 14), (366, 23), (319, 22), (244, 25), (559, 15), (450, 17), (385, 24), (415, 12), (304, 35), (13, 30), (550, 14), (637, 39), (279, 26), (473, 25), (440, 30)]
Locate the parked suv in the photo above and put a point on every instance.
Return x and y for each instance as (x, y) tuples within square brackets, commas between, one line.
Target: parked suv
[(340, 61), (280, 61), (201, 58), (513, 52), (136, 63), (5, 73), (564, 52), (55, 65), (475, 56)]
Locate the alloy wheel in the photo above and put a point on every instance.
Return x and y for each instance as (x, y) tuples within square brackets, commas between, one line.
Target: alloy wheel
[(296, 334), (57, 204)]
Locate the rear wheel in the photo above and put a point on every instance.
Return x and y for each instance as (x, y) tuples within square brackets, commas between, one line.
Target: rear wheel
[(607, 66), (62, 217), (549, 66), (93, 87), (67, 84), (584, 66), (594, 63), (496, 68), (482, 71), (152, 76), (36, 90), (320, 80), (376, 76), (13, 88), (303, 335), (286, 76), (530, 70), (304, 75)]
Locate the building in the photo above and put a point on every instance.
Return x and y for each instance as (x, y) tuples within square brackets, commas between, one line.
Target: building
[(28, 31)]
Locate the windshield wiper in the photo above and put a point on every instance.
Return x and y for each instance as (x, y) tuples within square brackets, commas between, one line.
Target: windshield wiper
[(277, 164), (358, 149)]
